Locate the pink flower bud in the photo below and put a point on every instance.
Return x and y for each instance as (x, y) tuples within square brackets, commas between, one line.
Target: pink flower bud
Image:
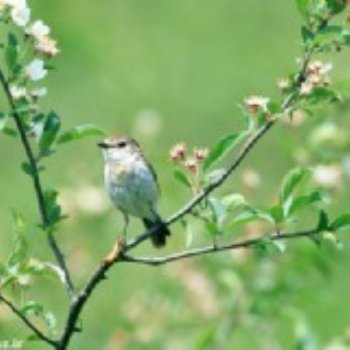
[(177, 153)]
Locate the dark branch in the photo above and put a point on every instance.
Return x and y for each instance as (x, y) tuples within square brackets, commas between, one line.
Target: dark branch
[(29, 324), (245, 150), (37, 185), (100, 273), (155, 261)]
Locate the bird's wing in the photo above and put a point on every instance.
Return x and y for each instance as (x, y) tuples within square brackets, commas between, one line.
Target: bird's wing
[(154, 174)]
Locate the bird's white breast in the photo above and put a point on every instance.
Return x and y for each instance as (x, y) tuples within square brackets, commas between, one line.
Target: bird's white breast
[(132, 187)]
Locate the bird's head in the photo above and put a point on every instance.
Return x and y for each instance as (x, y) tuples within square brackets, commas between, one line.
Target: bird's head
[(119, 148)]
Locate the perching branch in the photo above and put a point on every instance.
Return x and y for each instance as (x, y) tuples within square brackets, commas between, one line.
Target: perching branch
[(37, 186), (245, 150), (26, 321), (155, 261), (119, 254)]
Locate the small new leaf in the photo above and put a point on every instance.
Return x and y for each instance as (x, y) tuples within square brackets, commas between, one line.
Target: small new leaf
[(336, 6), (250, 214), (291, 181), (277, 214), (303, 7), (20, 252), (28, 169), (266, 247), (182, 177), (11, 52), (221, 149), (323, 221), (3, 121), (79, 132), (52, 207), (302, 202), (340, 222), (51, 127), (218, 210)]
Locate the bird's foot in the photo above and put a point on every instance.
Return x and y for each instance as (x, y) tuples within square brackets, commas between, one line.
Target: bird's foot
[(116, 251)]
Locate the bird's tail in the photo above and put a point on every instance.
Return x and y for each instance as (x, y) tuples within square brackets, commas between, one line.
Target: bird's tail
[(159, 236)]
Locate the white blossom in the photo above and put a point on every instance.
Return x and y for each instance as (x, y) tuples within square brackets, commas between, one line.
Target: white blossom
[(38, 30), (39, 92), (47, 46), (20, 16), (16, 3), (35, 70), (283, 83), (318, 67), (17, 92), (257, 102), (306, 88)]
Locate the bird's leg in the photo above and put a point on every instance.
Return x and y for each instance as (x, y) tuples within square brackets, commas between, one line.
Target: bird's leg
[(125, 228), (119, 245)]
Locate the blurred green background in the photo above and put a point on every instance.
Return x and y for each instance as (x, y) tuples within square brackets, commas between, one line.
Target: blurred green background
[(167, 71)]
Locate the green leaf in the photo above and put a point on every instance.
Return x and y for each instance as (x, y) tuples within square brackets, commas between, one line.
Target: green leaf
[(266, 247), (52, 207), (305, 201), (180, 176), (346, 36), (250, 214), (222, 148), (20, 252), (307, 35), (291, 181), (32, 306), (218, 210), (250, 120), (336, 6), (330, 242), (303, 7), (277, 213), (51, 127), (3, 120), (328, 35), (27, 168), (274, 107), (79, 132), (38, 310), (9, 131), (322, 94), (323, 221), (11, 52), (233, 201), (214, 175), (340, 222), (212, 228)]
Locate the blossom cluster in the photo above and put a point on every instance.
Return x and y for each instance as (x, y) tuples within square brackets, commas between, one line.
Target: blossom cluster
[(37, 34), (257, 103), (316, 76), (178, 155)]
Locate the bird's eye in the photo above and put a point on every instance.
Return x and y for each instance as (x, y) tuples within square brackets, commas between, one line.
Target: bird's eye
[(121, 144)]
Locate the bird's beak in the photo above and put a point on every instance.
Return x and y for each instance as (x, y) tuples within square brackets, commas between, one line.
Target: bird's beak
[(102, 144)]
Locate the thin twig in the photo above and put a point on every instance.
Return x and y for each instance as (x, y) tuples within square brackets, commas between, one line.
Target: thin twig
[(100, 274), (245, 150), (26, 321), (37, 186), (155, 261)]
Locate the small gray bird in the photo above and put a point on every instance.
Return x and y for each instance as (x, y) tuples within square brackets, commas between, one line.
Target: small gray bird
[(132, 184)]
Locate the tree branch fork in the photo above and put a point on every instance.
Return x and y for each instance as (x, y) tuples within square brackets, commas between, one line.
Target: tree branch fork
[(120, 252)]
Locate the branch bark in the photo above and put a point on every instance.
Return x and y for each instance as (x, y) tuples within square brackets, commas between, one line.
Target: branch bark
[(120, 254), (37, 186), (28, 323), (155, 261)]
